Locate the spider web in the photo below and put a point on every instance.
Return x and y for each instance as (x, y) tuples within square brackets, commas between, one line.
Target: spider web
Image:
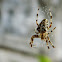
[(38, 43)]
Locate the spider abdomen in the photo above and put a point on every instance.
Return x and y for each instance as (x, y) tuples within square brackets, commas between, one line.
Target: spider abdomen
[(41, 27)]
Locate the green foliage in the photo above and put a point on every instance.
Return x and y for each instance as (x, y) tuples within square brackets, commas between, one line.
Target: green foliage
[(44, 59)]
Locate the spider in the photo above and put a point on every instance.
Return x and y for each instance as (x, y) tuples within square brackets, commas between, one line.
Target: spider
[(42, 30)]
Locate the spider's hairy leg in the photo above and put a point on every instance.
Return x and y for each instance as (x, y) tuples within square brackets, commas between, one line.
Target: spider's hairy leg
[(50, 19), (50, 42), (32, 38), (47, 44), (52, 30), (37, 17)]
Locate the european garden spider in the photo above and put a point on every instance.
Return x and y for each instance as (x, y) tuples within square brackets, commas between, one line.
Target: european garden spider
[(42, 30)]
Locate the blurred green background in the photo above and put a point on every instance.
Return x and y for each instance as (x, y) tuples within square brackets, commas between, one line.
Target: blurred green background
[(17, 24)]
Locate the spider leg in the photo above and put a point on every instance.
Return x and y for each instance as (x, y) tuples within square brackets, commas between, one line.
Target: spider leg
[(45, 39), (50, 42), (50, 19), (51, 30), (32, 38), (47, 44), (37, 17)]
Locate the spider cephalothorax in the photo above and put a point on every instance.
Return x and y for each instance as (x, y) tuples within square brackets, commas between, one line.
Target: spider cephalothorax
[(42, 29)]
